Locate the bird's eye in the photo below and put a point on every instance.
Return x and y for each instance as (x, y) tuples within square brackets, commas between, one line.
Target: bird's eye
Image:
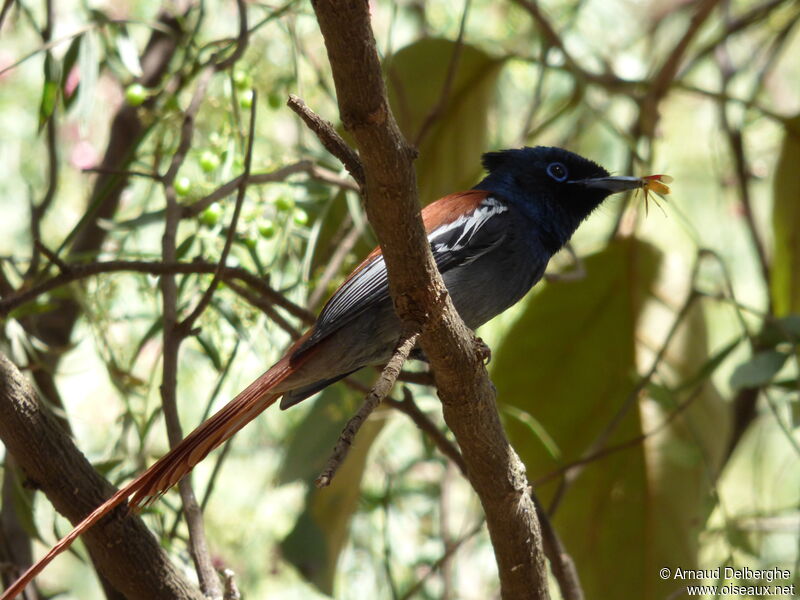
[(557, 171)]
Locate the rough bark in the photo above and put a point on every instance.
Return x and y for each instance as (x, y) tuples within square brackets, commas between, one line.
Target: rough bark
[(122, 548), (467, 395)]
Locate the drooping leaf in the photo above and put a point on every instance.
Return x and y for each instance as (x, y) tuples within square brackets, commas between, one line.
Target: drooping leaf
[(210, 350), (785, 219), (89, 69), (779, 331), (688, 431), (570, 361), (128, 53), (21, 498), (69, 87), (49, 90), (759, 369), (760, 480), (449, 155), (320, 533)]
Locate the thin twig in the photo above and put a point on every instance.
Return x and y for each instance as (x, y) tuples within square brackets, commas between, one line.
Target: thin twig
[(331, 140), (743, 175), (408, 407), (343, 248), (378, 392), (413, 591), (267, 308), (241, 41), (452, 68), (4, 11), (561, 562), (418, 378), (303, 166), (80, 271), (51, 256), (186, 325), (601, 439), (124, 172), (198, 546), (38, 211), (624, 445), (551, 37), (231, 591), (756, 15)]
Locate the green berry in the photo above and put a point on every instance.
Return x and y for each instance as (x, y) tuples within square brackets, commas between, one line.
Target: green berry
[(284, 203), (241, 80), (300, 217), (135, 94), (246, 99), (182, 186), (211, 215), (209, 161), (275, 100), (267, 230), (172, 103)]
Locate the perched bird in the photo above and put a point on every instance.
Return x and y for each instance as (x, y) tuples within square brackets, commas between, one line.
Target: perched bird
[(491, 245)]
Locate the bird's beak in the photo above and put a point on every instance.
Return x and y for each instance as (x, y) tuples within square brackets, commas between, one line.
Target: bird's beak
[(613, 184)]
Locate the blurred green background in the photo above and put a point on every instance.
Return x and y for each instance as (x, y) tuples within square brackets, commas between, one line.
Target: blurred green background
[(654, 399)]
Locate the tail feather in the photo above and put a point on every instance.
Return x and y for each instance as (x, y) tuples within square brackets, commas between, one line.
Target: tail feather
[(170, 469), (174, 465)]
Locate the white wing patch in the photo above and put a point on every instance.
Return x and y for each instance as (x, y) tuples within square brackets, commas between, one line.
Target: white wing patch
[(469, 224), (457, 243)]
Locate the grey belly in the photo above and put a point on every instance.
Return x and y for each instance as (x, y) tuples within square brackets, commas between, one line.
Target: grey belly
[(480, 291)]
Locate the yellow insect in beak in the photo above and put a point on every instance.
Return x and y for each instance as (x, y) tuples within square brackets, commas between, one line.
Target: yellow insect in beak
[(656, 184)]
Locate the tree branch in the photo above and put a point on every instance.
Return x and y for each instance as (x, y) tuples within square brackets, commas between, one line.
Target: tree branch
[(121, 546), (80, 271), (327, 135), (378, 392), (173, 336), (467, 395)]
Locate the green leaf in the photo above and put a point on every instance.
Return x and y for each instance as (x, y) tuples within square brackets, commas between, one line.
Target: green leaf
[(210, 350), (710, 365), (449, 156), (320, 533), (38, 306), (128, 53), (89, 69), (183, 249), (49, 90), (779, 331), (758, 487), (785, 219), (66, 69), (570, 362), (22, 500), (759, 370), (329, 237)]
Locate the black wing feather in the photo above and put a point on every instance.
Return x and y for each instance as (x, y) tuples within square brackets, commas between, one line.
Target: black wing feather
[(453, 244)]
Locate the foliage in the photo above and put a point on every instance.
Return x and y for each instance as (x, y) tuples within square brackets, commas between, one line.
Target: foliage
[(654, 400)]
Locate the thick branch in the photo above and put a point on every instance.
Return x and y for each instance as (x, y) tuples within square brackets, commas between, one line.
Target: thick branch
[(494, 469), (121, 546)]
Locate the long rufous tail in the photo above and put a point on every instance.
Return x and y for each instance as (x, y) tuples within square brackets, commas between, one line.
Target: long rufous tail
[(174, 465)]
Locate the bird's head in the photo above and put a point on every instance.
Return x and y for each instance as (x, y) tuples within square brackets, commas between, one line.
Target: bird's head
[(555, 188)]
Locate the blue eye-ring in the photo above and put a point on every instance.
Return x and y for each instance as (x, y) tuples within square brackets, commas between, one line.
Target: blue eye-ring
[(557, 171)]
